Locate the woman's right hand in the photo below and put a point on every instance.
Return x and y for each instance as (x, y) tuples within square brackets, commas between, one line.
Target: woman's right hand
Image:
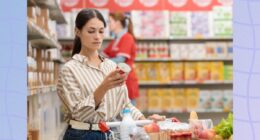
[(113, 79)]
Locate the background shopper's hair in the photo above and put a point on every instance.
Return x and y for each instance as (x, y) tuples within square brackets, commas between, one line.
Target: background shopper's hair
[(82, 18), (123, 20)]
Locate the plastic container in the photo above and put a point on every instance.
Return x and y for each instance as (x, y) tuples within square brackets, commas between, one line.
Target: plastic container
[(127, 125)]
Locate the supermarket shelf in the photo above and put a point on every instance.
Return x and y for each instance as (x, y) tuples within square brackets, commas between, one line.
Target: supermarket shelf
[(55, 9), (39, 38), (207, 84), (180, 60), (70, 39), (61, 61), (40, 89)]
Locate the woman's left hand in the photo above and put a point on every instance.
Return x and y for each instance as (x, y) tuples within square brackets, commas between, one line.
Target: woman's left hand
[(156, 117)]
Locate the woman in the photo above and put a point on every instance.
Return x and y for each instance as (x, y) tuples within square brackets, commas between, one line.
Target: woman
[(89, 85), (123, 49)]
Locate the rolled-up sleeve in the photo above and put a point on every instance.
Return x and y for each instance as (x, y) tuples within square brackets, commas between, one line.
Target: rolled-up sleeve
[(80, 105)]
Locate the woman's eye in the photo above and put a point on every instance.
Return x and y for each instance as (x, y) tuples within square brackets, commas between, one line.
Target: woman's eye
[(91, 32), (101, 32)]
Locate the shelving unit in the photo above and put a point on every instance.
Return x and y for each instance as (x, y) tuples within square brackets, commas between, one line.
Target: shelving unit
[(39, 38), (53, 6), (44, 116), (181, 60)]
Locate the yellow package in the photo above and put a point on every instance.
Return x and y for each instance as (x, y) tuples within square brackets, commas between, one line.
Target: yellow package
[(190, 71), (192, 97), (217, 71), (152, 72), (203, 71), (167, 100), (177, 71), (141, 101), (164, 72), (141, 71), (154, 100), (179, 100)]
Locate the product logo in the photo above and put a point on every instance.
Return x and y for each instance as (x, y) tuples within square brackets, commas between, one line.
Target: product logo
[(99, 3), (202, 3), (226, 2), (70, 3), (149, 3), (124, 3), (178, 3)]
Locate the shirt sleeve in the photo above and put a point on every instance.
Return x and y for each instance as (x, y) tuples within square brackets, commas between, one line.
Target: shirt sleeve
[(136, 113), (126, 45), (80, 106)]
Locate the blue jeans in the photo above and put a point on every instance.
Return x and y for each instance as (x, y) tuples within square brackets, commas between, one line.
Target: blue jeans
[(75, 134)]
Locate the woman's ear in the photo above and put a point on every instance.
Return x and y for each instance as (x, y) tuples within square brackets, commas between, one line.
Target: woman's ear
[(77, 32)]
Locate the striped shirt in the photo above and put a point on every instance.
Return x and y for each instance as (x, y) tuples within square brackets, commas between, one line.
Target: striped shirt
[(77, 82)]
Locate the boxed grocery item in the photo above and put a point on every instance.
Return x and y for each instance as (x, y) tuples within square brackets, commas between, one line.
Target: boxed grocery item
[(200, 24), (222, 12), (221, 50), (152, 72), (222, 28), (177, 71), (205, 103), (217, 71), (141, 101), (180, 101), (228, 72), (179, 24), (150, 24), (141, 71), (228, 100), (196, 51), (164, 72), (167, 100), (192, 97), (154, 100), (175, 51), (190, 71), (230, 50), (217, 100), (210, 50), (184, 51), (203, 73)]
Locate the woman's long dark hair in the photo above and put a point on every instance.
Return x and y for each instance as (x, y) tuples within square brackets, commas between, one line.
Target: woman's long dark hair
[(82, 18)]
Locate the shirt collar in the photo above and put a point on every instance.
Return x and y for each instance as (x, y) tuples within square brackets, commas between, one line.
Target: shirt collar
[(121, 33), (83, 59)]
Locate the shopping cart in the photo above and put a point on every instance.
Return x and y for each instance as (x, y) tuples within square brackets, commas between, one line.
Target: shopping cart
[(114, 132)]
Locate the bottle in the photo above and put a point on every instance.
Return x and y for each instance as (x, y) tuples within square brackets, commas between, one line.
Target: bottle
[(127, 125)]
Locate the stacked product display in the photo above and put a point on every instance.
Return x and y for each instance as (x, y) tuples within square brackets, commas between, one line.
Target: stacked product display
[(44, 59)]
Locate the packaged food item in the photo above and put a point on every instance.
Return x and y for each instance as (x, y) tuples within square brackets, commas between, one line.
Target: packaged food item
[(205, 103), (175, 51), (200, 24), (154, 100), (142, 100), (141, 71), (228, 100), (180, 100), (203, 71), (177, 71), (217, 100), (192, 98), (217, 71), (167, 100), (163, 69), (152, 72), (190, 71), (228, 72)]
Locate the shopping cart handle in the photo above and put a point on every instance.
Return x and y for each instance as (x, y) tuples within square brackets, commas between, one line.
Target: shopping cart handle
[(138, 123)]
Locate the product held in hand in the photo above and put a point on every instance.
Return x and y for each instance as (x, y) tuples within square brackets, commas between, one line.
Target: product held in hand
[(124, 68)]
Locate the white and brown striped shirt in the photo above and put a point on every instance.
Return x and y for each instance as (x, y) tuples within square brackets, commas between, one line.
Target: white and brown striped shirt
[(77, 82)]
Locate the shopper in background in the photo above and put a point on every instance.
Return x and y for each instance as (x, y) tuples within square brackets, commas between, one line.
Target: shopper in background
[(123, 49), (90, 86)]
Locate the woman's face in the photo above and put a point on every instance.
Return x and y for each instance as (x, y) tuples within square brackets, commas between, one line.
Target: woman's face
[(92, 34), (112, 24)]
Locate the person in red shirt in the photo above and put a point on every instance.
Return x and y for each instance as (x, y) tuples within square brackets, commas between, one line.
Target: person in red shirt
[(123, 49)]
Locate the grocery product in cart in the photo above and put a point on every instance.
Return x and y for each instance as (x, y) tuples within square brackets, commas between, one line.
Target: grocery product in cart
[(127, 125)]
